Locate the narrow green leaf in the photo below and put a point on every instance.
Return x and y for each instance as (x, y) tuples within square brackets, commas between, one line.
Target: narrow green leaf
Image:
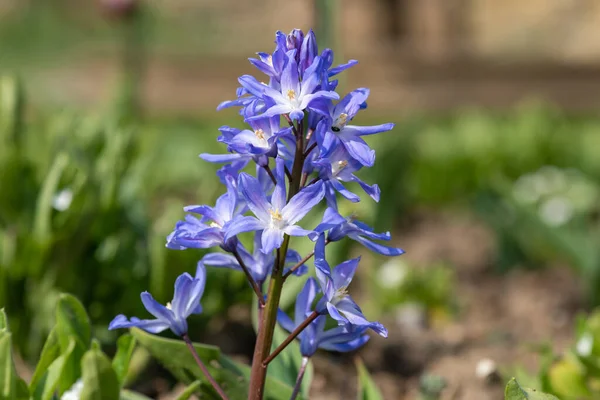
[(43, 214), (59, 375), (120, 363), (514, 391), (129, 395), (367, 390), (72, 322), (11, 110), (50, 352), (100, 381), (189, 391), (11, 387), (3, 320)]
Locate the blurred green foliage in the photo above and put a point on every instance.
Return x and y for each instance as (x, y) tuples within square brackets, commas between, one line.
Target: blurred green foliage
[(575, 373), (531, 174), (76, 204)]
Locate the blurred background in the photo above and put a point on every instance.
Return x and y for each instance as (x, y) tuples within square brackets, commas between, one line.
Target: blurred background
[(489, 180)]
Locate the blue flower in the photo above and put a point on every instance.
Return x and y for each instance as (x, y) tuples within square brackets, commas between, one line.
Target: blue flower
[(262, 139), (340, 227), (314, 336), (209, 230), (186, 301), (274, 218), (295, 95), (336, 167), (249, 96), (258, 263), (334, 284), (349, 136)]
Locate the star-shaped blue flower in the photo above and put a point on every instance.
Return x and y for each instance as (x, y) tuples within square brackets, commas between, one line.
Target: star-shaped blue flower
[(186, 301)]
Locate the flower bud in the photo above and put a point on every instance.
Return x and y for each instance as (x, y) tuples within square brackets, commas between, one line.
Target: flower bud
[(294, 40)]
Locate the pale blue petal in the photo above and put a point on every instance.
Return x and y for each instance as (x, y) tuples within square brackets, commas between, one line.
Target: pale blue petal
[(378, 248), (360, 151), (252, 191), (369, 130), (303, 202), (149, 325), (242, 224), (342, 274), (295, 230), (304, 301), (156, 309), (271, 239)]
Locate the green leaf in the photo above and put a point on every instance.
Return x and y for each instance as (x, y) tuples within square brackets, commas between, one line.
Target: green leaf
[(60, 375), (367, 390), (189, 391), (11, 110), (129, 395), (72, 322), (3, 320), (100, 381), (120, 362), (50, 352), (11, 386), (568, 379), (286, 365), (43, 214), (231, 376), (514, 391)]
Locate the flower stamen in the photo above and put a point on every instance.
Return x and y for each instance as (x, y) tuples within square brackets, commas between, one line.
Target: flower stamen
[(339, 122), (260, 134)]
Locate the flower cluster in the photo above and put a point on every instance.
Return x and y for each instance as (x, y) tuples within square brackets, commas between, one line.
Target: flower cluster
[(303, 149)]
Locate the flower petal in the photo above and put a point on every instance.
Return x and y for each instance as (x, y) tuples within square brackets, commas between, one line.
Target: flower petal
[(149, 325), (378, 248), (252, 191), (303, 202), (271, 239), (304, 301), (242, 224), (344, 347), (155, 308), (342, 274), (360, 151)]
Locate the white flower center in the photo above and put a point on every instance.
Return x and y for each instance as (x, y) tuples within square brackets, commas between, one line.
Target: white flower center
[(213, 224), (338, 166), (260, 135), (276, 219), (339, 295), (340, 122)]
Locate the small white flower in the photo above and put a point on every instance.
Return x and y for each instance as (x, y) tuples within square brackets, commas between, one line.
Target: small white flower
[(584, 345), (62, 200), (391, 274), (74, 392), (556, 211)]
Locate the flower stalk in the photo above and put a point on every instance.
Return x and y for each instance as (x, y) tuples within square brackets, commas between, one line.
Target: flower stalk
[(266, 329), (291, 337), (203, 368)]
